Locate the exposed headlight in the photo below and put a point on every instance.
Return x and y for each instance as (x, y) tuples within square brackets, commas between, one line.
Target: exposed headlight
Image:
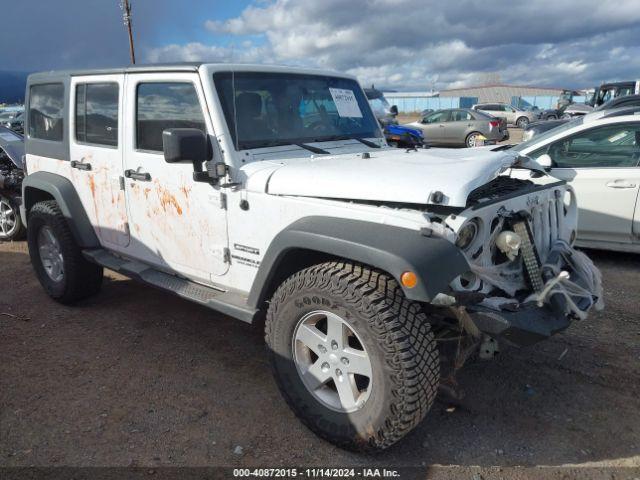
[(467, 235)]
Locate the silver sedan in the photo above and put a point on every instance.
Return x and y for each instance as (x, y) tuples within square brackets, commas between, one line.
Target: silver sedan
[(461, 127)]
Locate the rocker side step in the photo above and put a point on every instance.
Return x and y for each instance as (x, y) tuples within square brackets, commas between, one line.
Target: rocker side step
[(230, 303)]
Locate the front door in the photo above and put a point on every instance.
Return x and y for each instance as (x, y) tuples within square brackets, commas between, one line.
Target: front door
[(434, 126), (601, 164), (176, 223), (95, 151)]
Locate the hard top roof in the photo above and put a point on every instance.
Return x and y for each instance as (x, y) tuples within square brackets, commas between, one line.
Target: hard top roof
[(176, 67)]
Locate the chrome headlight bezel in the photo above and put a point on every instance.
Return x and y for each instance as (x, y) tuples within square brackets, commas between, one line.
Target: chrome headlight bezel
[(467, 234)]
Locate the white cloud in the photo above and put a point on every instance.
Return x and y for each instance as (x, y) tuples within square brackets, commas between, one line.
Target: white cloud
[(417, 44)]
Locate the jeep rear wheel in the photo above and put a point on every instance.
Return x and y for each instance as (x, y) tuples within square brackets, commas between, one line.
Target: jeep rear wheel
[(522, 122), (355, 360), (60, 267)]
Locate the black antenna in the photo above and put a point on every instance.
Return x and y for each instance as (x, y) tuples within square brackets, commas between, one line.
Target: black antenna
[(126, 17)]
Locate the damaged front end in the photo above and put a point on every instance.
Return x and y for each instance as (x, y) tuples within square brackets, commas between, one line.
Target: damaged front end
[(526, 282)]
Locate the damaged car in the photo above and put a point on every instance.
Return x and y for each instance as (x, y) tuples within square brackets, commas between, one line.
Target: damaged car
[(270, 194), (11, 175)]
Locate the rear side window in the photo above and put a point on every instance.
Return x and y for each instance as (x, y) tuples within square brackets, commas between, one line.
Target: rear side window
[(46, 111), (97, 113), (165, 105), (460, 116)]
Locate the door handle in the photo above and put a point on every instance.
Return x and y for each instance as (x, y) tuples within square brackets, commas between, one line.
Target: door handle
[(621, 184), (441, 126), (134, 175), (80, 165)]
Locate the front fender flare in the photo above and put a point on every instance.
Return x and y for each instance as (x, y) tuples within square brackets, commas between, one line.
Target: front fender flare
[(65, 194), (394, 250)]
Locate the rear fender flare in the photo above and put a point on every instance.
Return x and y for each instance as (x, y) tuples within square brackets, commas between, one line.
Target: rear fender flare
[(65, 194)]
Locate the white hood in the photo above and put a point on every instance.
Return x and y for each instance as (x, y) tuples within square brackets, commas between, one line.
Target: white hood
[(393, 175)]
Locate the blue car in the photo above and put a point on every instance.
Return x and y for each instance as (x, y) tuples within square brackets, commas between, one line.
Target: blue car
[(396, 135)]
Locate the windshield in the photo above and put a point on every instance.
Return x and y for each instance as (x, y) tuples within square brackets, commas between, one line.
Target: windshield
[(268, 109), (380, 106), (549, 133)]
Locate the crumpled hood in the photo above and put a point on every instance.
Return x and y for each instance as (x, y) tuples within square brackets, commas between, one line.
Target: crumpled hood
[(13, 145), (394, 175)]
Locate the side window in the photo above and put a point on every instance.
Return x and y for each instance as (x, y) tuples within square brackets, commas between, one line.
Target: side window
[(165, 105), (46, 111), (608, 146), (97, 113), (624, 91), (460, 116), (439, 117)]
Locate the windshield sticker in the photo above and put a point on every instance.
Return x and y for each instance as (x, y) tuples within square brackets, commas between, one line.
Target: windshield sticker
[(346, 103)]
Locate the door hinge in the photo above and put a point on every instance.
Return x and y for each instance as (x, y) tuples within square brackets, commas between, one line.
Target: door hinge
[(226, 255), (121, 182)]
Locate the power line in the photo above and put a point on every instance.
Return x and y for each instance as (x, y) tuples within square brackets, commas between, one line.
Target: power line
[(126, 18)]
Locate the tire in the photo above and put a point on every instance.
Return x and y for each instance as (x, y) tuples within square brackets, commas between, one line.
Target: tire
[(522, 122), (11, 227), (394, 335), (551, 117), (71, 277), (471, 139)]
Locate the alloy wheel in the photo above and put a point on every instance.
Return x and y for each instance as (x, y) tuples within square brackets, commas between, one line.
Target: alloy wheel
[(50, 254), (332, 361), (8, 219)]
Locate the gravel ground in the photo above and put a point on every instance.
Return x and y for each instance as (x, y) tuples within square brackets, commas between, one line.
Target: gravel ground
[(136, 377)]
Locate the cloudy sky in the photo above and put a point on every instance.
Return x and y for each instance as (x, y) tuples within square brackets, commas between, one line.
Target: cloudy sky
[(401, 44)]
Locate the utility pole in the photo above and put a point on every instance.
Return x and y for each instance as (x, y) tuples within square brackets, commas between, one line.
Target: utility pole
[(126, 17)]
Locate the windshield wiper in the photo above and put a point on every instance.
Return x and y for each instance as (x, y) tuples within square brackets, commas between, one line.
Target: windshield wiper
[(348, 137), (311, 149), (367, 142)]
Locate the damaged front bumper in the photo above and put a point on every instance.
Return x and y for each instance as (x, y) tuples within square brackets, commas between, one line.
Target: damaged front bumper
[(572, 286)]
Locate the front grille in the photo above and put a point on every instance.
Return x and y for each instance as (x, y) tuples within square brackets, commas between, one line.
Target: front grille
[(547, 222), (529, 256)]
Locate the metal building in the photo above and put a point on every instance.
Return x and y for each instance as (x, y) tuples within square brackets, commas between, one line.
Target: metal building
[(501, 92)]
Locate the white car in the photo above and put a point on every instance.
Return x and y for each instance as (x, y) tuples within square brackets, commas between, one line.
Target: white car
[(512, 115), (270, 193), (599, 156)]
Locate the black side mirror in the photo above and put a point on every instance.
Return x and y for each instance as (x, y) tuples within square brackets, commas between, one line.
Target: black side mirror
[(185, 145), (394, 110), (191, 145)]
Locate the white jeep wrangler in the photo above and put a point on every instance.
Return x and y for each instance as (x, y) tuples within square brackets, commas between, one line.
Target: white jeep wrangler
[(270, 192)]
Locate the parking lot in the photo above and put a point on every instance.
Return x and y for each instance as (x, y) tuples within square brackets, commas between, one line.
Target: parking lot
[(137, 377)]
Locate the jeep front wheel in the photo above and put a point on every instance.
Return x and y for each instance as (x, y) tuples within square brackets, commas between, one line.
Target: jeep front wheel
[(355, 360), (56, 258)]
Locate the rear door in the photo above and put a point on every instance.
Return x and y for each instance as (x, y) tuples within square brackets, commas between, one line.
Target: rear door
[(96, 153), (456, 129), (176, 223), (601, 164)]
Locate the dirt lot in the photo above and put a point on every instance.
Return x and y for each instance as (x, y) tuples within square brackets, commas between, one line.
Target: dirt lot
[(137, 377)]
